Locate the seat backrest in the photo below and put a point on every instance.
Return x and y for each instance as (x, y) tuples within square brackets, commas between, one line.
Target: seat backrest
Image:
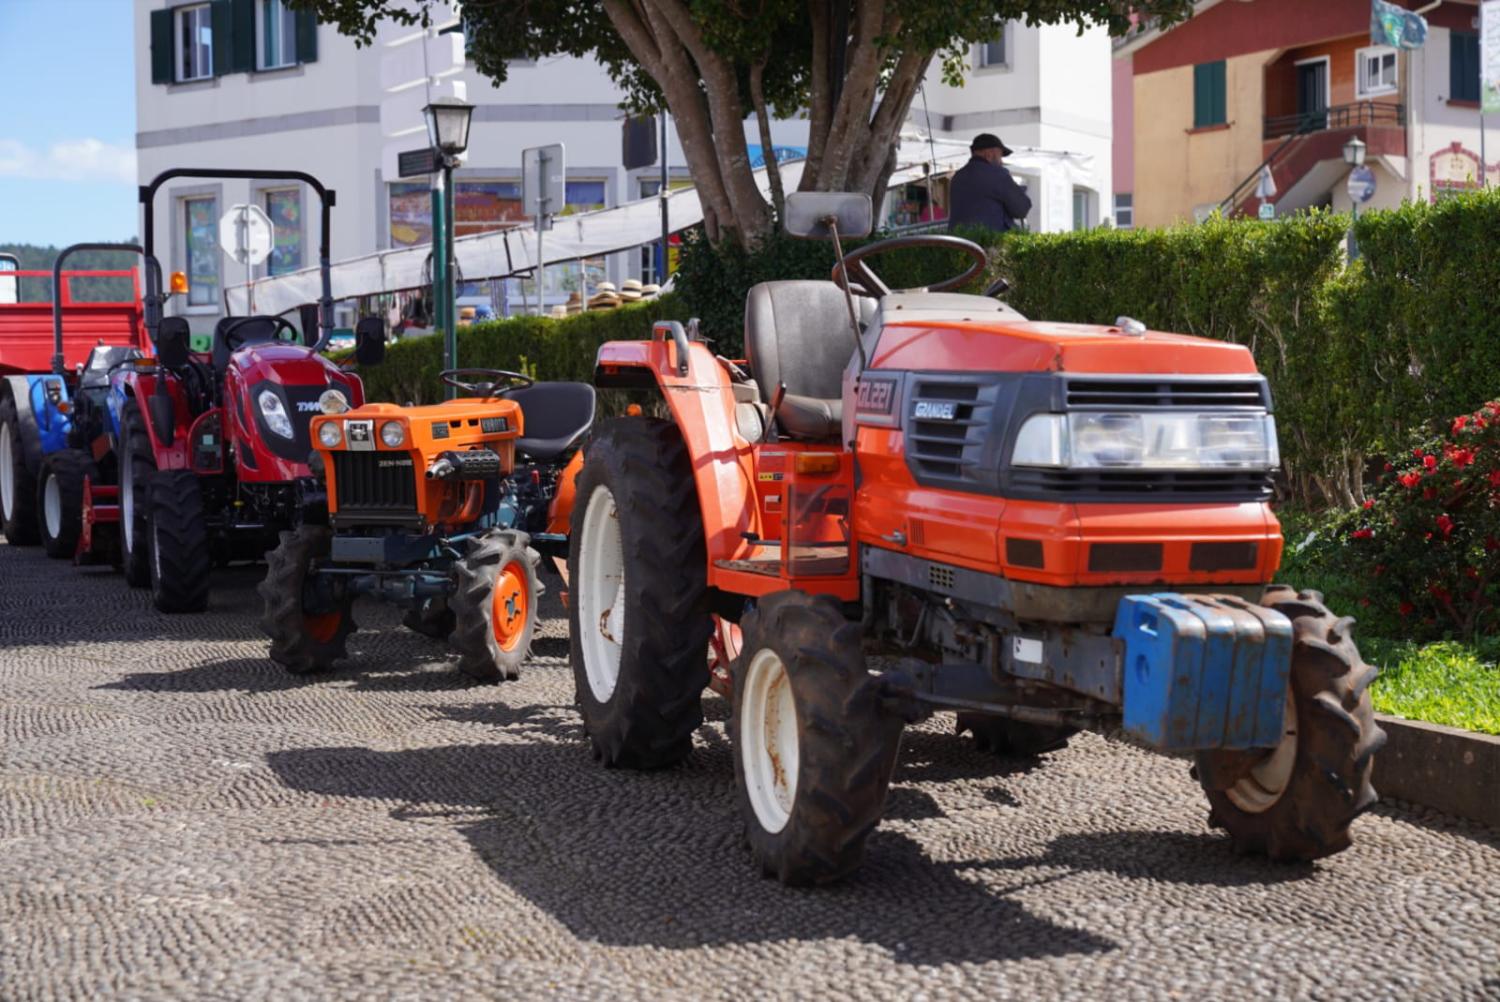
[(257, 331), (797, 333), (555, 417)]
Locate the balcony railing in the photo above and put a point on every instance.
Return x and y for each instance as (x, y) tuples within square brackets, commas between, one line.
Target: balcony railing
[(1344, 116)]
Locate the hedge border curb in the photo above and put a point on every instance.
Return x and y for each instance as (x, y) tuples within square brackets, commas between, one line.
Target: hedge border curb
[(1445, 768)]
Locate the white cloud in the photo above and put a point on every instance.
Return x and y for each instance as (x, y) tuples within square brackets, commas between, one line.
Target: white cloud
[(69, 160)]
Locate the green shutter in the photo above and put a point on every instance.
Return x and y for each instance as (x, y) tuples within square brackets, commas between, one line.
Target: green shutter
[(1463, 66), (307, 36), (221, 18), (241, 36), (162, 51), (1209, 95)]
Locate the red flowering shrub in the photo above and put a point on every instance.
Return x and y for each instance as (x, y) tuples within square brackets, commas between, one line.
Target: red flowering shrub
[(1429, 545)]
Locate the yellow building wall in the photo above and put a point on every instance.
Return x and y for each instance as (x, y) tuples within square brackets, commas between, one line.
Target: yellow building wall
[(1177, 169)]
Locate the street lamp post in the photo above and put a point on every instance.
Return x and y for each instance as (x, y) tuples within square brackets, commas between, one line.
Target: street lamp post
[(448, 133), (1354, 156)]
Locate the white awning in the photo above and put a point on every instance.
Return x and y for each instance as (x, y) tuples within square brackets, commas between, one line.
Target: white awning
[(512, 252)]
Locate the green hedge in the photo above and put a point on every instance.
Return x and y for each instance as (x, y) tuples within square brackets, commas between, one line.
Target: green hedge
[(539, 346)]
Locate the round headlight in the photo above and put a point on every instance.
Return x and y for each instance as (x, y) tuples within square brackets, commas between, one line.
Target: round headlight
[(330, 434), (333, 402), (393, 434)]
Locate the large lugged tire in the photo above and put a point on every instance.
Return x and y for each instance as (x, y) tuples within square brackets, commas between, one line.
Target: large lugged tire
[(495, 605), (137, 466), (1003, 736), (1296, 802), (637, 575), (813, 748), (301, 641), (180, 558), (17, 484), (60, 500)]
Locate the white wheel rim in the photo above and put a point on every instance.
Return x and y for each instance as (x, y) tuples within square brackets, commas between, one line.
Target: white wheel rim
[(1259, 789), (127, 503), (155, 549), (601, 593), (7, 470), (768, 740), (52, 506)]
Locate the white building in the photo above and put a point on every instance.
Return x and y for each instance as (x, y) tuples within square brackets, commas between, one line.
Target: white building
[(248, 84)]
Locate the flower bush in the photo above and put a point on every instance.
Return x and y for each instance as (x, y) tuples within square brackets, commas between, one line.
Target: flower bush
[(1428, 543)]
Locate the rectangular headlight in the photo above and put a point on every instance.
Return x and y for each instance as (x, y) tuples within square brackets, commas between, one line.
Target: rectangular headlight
[(1169, 440)]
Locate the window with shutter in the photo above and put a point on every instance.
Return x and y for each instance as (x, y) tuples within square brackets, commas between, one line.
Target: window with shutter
[(1463, 66), (222, 18), (307, 36), (1209, 95), (162, 47)]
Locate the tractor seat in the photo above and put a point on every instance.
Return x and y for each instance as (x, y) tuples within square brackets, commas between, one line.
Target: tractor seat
[(555, 416), (256, 332), (797, 333)]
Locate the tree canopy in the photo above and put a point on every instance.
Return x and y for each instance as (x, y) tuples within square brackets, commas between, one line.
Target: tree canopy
[(852, 67)]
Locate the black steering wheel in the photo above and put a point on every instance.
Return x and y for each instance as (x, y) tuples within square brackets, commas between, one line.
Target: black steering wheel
[(867, 283), (282, 323), (500, 381)]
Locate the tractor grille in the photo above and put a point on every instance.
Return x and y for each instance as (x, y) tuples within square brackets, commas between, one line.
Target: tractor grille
[(945, 418), (375, 484), (1207, 394), (1082, 485)]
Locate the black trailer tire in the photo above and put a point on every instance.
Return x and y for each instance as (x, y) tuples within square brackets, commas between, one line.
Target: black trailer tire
[(302, 643), (137, 467), (178, 541), (1307, 814), (801, 677), (495, 605), (433, 618), (639, 674), (1004, 736), (59, 500), (18, 514)]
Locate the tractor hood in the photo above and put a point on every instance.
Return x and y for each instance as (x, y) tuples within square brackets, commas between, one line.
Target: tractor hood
[(296, 377)]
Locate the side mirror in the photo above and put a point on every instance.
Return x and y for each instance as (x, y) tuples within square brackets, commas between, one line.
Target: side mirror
[(808, 212), (369, 341), (173, 342)]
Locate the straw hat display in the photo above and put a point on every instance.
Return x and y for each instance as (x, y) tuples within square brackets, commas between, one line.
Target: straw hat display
[(559, 312), (650, 290), (630, 290), (605, 297), (575, 303)]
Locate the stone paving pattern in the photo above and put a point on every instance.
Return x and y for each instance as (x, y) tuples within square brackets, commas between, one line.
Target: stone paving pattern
[(179, 818)]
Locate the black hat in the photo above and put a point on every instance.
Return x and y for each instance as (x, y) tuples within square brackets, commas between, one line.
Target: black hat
[(986, 141)]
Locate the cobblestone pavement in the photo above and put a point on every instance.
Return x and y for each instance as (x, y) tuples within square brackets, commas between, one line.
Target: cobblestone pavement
[(181, 819)]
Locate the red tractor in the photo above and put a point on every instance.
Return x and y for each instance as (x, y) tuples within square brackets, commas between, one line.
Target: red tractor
[(214, 447), (920, 502)]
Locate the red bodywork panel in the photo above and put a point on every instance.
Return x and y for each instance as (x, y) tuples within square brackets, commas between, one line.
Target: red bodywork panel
[(743, 489), (286, 365), (26, 341)]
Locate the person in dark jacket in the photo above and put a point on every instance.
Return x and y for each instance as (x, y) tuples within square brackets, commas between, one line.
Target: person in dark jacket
[(982, 192)]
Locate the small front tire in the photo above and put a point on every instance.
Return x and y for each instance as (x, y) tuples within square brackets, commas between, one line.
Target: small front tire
[(60, 500), (495, 606), (308, 630), (137, 467)]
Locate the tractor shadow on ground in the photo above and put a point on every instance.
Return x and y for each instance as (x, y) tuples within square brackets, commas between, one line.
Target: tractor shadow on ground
[(432, 673), (658, 859)]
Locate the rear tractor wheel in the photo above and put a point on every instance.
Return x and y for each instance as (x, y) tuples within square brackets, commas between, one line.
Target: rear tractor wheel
[(17, 484), (60, 500), (637, 572), (309, 619), (495, 606), (813, 748), (1297, 801)]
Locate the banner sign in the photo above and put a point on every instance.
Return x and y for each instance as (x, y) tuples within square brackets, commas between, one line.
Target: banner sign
[(1396, 26), (1489, 56)]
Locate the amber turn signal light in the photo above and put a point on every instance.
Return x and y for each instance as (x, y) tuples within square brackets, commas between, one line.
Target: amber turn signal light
[(179, 283), (817, 462)]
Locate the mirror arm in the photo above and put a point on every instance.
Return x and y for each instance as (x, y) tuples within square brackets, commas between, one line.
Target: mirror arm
[(838, 248)]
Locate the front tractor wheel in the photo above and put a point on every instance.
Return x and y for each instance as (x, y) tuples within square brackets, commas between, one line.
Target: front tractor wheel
[(308, 621), (137, 467), (813, 748), (495, 606), (60, 499), (637, 619), (180, 557), (1297, 801)]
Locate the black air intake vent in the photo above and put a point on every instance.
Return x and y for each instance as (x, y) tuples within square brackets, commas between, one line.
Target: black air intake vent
[(375, 483), (1204, 394), (945, 417), (1081, 485)]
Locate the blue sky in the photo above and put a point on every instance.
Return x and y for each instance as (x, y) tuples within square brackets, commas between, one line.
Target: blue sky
[(67, 131)]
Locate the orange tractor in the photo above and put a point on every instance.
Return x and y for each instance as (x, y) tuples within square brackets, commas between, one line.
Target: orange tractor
[(446, 509), (920, 501)]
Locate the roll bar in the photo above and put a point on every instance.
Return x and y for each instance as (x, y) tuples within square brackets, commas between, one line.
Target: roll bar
[(57, 297), (326, 197)]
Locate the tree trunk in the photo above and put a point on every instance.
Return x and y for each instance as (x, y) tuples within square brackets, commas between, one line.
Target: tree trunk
[(768, 151)]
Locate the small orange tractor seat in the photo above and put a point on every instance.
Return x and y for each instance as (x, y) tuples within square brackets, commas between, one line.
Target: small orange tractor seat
[(797, 333), (555, 418)]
